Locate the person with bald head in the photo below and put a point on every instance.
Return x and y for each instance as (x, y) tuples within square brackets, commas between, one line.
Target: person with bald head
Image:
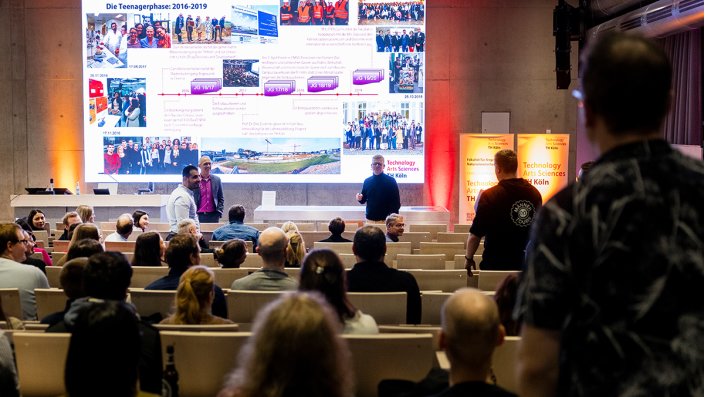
[(123, 228), (271, 277), (470, 331)]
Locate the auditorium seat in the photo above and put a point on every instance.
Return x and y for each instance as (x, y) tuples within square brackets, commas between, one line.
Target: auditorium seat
[(449, 249), (60, 246), (258, 226), (203, 359), (488, 280), (43, 236), (426, 262), (303, 227), (244, 305), (445, 237), (40, 360), (53, 273), (207, 259), (434, 330), (11, 305), (459, 260), (312, 237), (341, 248), (252, 260), (384, 307), (158, 227), (431, 304), (349, 260), (434, 229), (504, 363), (415, 238), (142, 276), (210, 227), (224, 277), (389, 356), (461, 228), (120, 246), (440, 280), (149, 302), (133, 236), (49, 300), (198, 327), (213, 244), (393, 249)]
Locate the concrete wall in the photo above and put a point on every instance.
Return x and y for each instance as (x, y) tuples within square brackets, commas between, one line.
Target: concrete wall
[(489, 55)]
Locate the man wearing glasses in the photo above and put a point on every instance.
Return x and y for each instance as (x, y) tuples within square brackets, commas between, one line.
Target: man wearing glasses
[(380, 192), (13, 274)]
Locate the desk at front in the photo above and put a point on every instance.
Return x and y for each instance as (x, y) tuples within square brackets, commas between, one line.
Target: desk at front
[(300, 213), (106, 207)]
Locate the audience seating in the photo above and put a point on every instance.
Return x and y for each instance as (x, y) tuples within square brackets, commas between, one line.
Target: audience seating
[(504, 363), (393, 249), (203, 359), (340, 248), (210, 227), (60, 246), (253, 260), (414, 329), (207, 259), (43, 236), (489, 280), (120, 246), (415, 238), (312, 237), (440, 280), (40, 360), (431, 304), (449, 249), (244, 305), (258, 226), (142, 276), (445, 237), (434, 229), (385, 307), (159, 227), (133, 236), (213, 244), (149, 302), (349, 260), (389, 356), (49, 300), (426, 262), (351, 225), (461, 228), (224, 277), (11, 303), (198, 327), (53, 273), (459, 260), (303, 227)]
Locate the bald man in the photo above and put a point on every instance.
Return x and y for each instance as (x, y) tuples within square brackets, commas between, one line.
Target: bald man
[(271, 277), (123, 228), (470, 331)]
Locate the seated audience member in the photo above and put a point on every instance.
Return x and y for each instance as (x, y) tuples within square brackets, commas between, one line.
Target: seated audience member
[(69, 219), (182, 253), (323, 271), (72, 228), (371, 274), (86, 213), (295, 250), (29, 251), (395, 227), (470, 331), (194, 298), (231, 254), (36, 220), (8, 372), (140, 220), (83, 248), (123, 228), (336, 227), (104, 352), (271, 277), (188, 226), (289, 226), (13, 274), (314, 361), (236, 228), (106, 277), (149, 250), (85, 230), (506, 296), (71, 281)]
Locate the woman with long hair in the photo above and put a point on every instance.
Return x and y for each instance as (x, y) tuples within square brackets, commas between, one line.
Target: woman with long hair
[(36, 219), (86, 213), (194, 297), (133, 113), (149, 250), (140, 220), (231, 254), (295, 250), (314, 361), (323, 271)]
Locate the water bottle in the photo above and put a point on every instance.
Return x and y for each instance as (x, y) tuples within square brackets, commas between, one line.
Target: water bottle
[(51, 185), (78, 189)]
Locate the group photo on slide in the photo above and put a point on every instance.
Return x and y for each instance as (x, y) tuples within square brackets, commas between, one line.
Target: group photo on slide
[(148, 155)]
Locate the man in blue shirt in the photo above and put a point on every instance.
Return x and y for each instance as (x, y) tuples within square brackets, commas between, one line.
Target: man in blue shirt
[(236, 228)]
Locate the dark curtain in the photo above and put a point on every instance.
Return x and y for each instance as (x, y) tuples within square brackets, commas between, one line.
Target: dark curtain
[(684, 124)]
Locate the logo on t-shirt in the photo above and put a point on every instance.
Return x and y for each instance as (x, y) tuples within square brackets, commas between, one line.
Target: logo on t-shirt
[(522, 213)]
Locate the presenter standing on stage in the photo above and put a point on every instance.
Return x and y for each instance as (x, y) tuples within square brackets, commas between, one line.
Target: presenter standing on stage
[(181, 205), (380, 192), (209, 195)]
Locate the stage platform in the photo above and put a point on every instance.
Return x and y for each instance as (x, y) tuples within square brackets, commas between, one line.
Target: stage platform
[(415, 214), (106, 207)]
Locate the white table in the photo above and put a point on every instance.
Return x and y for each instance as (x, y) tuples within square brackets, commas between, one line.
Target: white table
[(106, 207)]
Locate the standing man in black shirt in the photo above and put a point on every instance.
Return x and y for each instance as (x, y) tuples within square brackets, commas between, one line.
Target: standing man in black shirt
[(380, 192), (504, 216)]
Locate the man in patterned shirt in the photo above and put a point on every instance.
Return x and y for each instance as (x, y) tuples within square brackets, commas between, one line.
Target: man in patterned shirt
[(612, 296)]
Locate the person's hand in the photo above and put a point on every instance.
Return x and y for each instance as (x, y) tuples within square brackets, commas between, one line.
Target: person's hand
[(470, 266), (358, 196)]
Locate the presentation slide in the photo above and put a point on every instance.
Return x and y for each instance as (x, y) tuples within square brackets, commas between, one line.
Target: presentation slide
[(273, 91)]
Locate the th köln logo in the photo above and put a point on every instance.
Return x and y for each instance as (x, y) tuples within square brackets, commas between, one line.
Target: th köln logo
[(522, 213)]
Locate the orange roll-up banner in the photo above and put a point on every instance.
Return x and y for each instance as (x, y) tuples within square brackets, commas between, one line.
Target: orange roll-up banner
[(543, 161), (477, 168)]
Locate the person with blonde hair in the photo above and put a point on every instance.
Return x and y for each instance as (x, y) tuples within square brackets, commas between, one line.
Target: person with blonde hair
[(289, 226), (85, 212), (314, 361), (194, 298), (295, 250)]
